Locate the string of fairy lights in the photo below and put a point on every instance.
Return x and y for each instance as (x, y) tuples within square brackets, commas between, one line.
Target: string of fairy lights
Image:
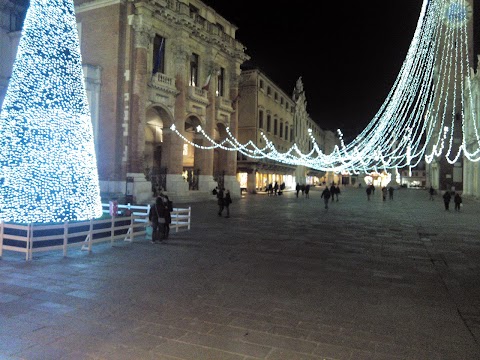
[(423, 116), (48, 167)]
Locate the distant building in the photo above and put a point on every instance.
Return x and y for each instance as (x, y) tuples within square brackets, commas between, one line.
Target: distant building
[(265, 109)]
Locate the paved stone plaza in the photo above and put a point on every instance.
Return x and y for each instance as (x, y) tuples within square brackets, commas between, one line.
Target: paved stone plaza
[(282, 278)]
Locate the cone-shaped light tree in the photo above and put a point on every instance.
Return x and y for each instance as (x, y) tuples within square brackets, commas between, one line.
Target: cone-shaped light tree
[(48, 169)]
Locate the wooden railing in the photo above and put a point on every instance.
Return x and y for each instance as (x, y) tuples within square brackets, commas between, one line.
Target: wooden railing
[(128, 223)]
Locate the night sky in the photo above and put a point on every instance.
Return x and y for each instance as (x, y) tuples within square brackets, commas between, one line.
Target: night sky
[(348, 53)]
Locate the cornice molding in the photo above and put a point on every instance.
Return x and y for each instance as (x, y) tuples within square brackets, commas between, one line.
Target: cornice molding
[(96, 4)]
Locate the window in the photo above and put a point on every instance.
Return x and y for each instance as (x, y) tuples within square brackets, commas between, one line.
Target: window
[(281, 129), (281, 101), (291, 134), (193, 70), (286, 132), (221, 82), (269, 91), (158, 55), (275, 126), (261, 84), (193, 11), (269, 123), (260, 119), (286, 106), (276, 96)]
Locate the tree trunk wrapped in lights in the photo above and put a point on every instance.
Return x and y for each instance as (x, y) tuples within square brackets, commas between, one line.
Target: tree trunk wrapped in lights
[(48, 169)]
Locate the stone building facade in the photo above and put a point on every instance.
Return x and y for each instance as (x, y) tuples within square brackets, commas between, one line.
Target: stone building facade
[(151, 64), (266, 110), (471, 171), (162, 63)]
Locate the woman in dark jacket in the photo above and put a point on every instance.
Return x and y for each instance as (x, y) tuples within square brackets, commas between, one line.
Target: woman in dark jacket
[(155, 216)]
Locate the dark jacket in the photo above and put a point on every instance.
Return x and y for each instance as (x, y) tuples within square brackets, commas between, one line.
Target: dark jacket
[(227, 200), (220, 200), (447, 197)]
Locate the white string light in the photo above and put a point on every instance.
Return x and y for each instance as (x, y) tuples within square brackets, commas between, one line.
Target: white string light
[(418, 114)]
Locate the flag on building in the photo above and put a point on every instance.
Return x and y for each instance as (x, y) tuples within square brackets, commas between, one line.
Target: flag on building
[(207, 81), (158, 59)]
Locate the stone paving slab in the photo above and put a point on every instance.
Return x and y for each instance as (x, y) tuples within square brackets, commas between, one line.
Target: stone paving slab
[(282, 279)]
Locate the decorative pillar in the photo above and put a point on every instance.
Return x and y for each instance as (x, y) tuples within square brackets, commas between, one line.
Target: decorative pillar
[(136, 130), (231, 181), (142, 38), (174, 152), (206, 182)]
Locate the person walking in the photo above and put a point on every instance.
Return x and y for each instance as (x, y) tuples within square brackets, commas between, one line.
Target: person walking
[(332, 191), (220, 200), (457, 199), (384, 193), (326, 196), (390, 192), (431, 191), (369, 192), (227, 200), (446, 199), (297, 189), (307, 191), (337, 191)]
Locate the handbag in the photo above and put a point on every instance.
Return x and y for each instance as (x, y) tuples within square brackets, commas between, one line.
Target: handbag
[(148, 231)]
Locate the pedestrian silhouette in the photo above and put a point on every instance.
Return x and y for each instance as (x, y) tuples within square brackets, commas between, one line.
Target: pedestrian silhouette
[(326, 196), (446, 199), (390, 192), (457, 199)]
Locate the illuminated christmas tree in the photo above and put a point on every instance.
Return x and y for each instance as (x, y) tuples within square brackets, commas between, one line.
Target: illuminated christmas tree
[(48, 169)]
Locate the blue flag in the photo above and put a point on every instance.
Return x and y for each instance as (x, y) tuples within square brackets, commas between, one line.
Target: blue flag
[(158, 60)]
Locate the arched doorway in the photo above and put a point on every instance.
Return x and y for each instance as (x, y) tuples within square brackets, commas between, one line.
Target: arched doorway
[(191, 171), (157, 119)]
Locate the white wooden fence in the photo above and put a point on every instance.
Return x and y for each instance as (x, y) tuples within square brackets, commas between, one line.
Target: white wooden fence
[(129, 223)]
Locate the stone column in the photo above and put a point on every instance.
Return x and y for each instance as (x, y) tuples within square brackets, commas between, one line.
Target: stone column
[(206, 182), (173, 154), (231, 181), (136, 129), (142, 38), (252, 181)]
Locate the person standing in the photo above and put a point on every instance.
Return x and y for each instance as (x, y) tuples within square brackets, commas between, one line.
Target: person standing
[(457, 199), (431, 191), (227, 200), (307, 191), (167, 214), (390, 192), (156, 217), (446, 199), (220, 200), (326, 196), (297, 189)]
